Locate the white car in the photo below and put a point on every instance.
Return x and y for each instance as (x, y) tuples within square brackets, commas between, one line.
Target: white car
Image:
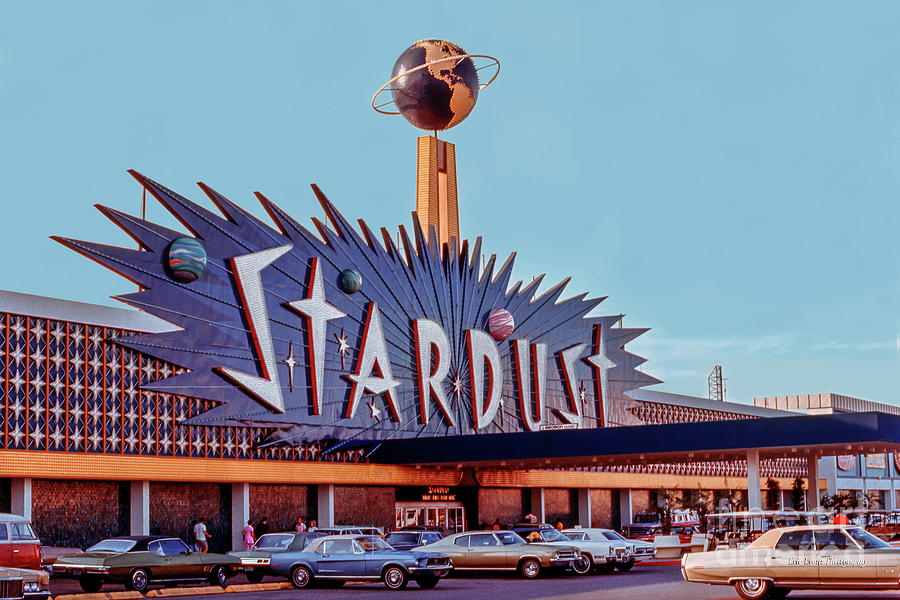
[(635, 550), (599, 555)]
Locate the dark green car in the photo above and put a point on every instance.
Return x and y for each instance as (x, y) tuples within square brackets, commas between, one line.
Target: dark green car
[(136, 561)]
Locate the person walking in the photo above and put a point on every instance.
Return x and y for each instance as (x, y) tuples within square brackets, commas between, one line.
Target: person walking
[(190, 538), (201, 533), (247, 532), (312, 525), (301, 526), (841, 518), (263, 527)]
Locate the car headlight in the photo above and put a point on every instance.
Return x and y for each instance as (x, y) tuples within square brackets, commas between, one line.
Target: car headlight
[(31, 586)]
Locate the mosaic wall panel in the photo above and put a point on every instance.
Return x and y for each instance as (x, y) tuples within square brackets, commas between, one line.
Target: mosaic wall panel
[(280, 504), (364, 505), (78, 514), (67, 389), (561, 505), (504, 504), (174, 505), (602, 509)]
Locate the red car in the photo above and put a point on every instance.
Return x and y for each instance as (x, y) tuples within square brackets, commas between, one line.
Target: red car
[(19, 545)]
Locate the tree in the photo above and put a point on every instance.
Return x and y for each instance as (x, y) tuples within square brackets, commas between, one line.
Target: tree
[(773, 494), (797, 496)]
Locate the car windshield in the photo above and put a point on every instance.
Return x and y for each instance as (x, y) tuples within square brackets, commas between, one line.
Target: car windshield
[(508, 538), (373, 543), (403, 538), (112, 546), (866, 539), (613, 535), (578, 536), (274, 541), (553, 535)]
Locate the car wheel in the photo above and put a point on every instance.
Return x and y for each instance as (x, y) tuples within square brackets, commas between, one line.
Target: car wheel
[(583, 565), (394, 578), (530, 568), (138, 580), (91, 584), (428, 581), (218, 575), (301, 577), (625, 566), (753, 589), (254, 576)]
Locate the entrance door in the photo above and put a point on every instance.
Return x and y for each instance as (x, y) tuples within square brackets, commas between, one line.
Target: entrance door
[(449, 515)]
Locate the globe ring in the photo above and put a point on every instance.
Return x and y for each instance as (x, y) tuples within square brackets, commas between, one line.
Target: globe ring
[(494, 63)]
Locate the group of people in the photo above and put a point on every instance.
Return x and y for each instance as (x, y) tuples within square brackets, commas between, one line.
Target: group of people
[(251, 533)]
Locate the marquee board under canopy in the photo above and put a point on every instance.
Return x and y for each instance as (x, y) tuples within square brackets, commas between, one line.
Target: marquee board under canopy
[(336, 335)]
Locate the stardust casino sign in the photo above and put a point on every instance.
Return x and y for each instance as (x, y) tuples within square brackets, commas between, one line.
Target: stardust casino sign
[(337, 335)]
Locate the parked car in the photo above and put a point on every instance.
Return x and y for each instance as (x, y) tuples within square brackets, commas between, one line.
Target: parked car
[(136, 561), (503, 551), (808, 557), (351, 530), (596, 556), (24, 583), (408, 539), (641, 550), (338, 558), (19, 545), (436, 528), (255, 562)]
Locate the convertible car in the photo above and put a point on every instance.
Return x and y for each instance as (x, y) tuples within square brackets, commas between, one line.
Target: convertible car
[(255, 562), (503, 551), (598, 556), (811, 557), (335, 559), (136, 561)]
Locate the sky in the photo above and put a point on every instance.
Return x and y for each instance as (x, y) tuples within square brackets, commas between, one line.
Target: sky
[(728, 174)]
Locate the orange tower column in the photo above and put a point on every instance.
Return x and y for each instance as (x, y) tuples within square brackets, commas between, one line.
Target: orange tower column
[(436, 188)]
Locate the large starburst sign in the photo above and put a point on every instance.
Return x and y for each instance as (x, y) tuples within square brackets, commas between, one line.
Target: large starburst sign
[(339, 335)]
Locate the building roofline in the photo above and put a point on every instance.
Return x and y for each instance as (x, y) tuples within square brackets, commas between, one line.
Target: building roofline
[(655, 396), (56, 309)]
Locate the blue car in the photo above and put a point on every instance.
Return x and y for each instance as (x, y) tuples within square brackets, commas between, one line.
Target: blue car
[(338, 558)]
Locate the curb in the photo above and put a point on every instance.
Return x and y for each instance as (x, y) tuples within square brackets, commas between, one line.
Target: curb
[(185, 591), (101, 596), (259, 587)]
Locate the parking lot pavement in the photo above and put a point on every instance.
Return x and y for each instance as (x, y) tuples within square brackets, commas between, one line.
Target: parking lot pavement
[(644, 583)]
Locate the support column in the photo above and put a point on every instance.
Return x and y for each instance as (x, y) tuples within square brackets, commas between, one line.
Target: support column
[(626, 516), (584, 507), (140, 508), (325, 513), (537, 504), (754, 495), (20, 500), (240, 513), (812, 476)]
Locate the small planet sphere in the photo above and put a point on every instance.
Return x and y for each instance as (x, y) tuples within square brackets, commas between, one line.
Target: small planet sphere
[(440, 95), (186, 259), (350, 281), (500, 324)]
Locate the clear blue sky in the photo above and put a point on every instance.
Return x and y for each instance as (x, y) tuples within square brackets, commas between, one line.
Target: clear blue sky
[(728, 174)]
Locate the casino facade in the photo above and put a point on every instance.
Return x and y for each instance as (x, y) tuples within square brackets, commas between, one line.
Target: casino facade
[(262, 384), (364, 377)]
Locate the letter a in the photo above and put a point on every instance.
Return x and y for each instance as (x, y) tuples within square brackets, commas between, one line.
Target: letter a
[(483, 350), (373, 357), (428, 335)]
